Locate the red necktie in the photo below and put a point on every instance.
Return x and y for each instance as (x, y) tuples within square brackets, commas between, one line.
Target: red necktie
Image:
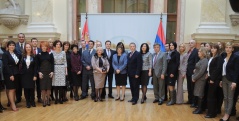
[(34, 51)]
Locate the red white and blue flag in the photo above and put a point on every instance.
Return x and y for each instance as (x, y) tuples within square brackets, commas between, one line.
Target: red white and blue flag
[(160, 38), (85, 33)]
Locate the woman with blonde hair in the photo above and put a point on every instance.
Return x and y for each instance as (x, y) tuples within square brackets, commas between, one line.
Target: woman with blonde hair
[(101, 67), (199, 78), (181, 73), (230, 70)]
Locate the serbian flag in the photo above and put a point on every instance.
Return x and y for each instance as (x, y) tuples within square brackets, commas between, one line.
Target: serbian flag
[(160, 38), (85, 33)]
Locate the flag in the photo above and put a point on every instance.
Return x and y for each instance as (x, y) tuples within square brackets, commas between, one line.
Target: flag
[(85, 33), (160, 38)]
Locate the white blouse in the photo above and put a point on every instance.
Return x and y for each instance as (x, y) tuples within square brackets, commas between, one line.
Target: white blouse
[(28, 61), (224, 67), (208, 66)]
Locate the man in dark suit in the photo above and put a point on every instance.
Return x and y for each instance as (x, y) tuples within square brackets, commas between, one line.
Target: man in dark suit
[(19, 50), (36, 50), (134, 67), (83, 47), (192, 60), (88, 71), (109, 53)]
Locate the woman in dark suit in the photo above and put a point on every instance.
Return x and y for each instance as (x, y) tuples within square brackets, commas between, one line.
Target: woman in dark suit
[(76, 71), (172, 71), (10, 70), (119, 63), (230, 70), (45, 69), (199, 78), (66, 47), (214, 76), (29, 75)]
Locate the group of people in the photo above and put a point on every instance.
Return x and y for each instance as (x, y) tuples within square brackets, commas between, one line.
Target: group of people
[(55, 67)]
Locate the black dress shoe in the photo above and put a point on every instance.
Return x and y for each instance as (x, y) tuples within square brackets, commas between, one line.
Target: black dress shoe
[(134, 103), (28, 105), (130, 100), (33, 104), (110, 96), (209, 116), (117, 99), (56, 101), (142, 101), (155, 101), (1, 107), (160, 102)]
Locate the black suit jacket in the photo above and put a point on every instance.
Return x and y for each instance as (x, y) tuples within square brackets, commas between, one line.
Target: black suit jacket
[(18, 49), (32, 66), (9, 66), (192, 60), (215, 69), (112, 52), (134, 64), (232, 68), (173, 64), (80, 51)]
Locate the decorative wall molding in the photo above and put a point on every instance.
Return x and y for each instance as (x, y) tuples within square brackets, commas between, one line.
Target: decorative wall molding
[(11, 21), (234, 19), (213, 37)]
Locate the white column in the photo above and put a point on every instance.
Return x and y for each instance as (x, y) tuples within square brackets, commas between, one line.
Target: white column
[(157, 6), (41, 16), (93, 6), (213, 17), (70, 21)]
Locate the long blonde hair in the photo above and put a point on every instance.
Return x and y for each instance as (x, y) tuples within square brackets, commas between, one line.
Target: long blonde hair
[(184, 46)]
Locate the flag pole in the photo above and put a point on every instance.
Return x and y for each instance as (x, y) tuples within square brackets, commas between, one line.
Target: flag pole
[(161, 16), (86, 15)]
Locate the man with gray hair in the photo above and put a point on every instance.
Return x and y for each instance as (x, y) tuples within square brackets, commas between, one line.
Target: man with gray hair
[(192, 60), (159, 71), (134, 67)]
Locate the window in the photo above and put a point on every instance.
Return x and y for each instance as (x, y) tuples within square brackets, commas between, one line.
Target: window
[(125, 6), (171, 20)]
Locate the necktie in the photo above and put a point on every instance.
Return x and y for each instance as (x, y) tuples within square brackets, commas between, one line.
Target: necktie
[(131, 54), (108, 53), (34, 51), (155, 57), (21, 47)]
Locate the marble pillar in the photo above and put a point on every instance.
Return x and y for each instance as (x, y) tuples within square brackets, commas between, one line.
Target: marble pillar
[(93, 6), (41, 16), (157, 6), (213, 17)]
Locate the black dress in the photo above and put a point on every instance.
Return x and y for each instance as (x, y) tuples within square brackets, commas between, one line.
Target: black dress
[(121, 79), (173, 64), (76, 67), (69, 76), (45, 66), (11, 68), (28, 72)]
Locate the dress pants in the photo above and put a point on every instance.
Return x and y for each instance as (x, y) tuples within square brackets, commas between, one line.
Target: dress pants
[(18, 87), (108, 76), (228, 95), (212, 98), (235, 99), (88, 75), (159, 88), (29, 94), (179, 97), (190, 87), (134, 87)]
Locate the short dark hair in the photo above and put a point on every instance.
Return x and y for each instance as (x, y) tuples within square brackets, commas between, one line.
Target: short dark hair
[(57, 41), (174, 44), (107, 41), (120, 43), (34, 39), (92, 42), (73, 46), (66, 43), (10, 42), (120, 47), (215, 46), (21, 34), (147, 48)]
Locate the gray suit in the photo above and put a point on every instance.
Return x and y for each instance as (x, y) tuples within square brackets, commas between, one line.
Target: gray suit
[(159, 68), (87, 74)]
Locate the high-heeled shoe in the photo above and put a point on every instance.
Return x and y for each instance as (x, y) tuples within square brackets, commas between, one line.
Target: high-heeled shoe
[(123, 98), (56, 101), (1, 110), (1, 107), (142, 101), (96, 99), (117, 99), (100, 99)]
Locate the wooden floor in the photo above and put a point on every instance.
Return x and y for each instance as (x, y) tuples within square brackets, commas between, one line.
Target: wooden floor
[(109, 110)]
